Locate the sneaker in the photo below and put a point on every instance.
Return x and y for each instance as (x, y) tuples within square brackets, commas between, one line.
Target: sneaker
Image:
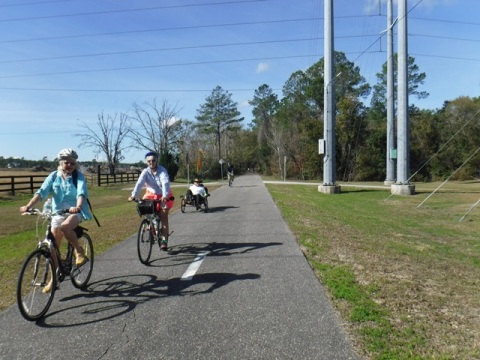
[(80, 258), (164, 244)]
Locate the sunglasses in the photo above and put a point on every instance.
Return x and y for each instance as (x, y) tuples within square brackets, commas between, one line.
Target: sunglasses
[(70, 163), (152, 161)]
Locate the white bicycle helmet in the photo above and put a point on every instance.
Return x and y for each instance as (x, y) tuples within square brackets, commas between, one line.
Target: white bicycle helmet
[(67, 154)]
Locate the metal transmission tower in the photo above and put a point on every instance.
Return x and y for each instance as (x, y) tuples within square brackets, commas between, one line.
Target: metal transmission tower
[(329, 179), (402, 186), (391, 146)]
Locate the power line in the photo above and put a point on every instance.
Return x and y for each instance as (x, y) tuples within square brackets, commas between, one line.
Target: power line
[(172, 29), (176, 48), (153, 66), (130, 10), (224, 45), (159, 49), (122, 90), (382, 34), (446, 21), (446, 57), (444, 37), (35, 3), (202, 63)]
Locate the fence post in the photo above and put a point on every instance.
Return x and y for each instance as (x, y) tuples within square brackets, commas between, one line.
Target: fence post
[(12, 181), (98, 175)]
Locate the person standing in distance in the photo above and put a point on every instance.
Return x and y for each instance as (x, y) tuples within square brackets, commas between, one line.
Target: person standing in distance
[(157, 187), (66, 196)]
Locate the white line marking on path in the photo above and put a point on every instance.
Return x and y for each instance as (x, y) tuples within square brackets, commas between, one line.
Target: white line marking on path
[(194, 266)]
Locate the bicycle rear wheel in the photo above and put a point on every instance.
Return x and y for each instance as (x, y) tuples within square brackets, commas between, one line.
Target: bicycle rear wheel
[(145, 241), (37, 271), (183, 204), (80, 275)]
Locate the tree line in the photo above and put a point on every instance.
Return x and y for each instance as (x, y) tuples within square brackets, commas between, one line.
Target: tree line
[(283, 135)]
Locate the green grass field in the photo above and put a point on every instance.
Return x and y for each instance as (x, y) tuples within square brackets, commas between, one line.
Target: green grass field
[(403, 278)]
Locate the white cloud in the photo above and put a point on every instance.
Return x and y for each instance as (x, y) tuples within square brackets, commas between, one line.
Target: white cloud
[(262, 67), (172, 121), (244, 104)]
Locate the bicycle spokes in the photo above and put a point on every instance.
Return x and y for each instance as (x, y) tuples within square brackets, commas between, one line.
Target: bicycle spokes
[(37, 272)]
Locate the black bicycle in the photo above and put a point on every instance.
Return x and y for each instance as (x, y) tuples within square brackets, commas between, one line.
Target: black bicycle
[(44, 268), (150, 228)]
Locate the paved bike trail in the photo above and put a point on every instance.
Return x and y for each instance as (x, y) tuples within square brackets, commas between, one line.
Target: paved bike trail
[(235, 286)]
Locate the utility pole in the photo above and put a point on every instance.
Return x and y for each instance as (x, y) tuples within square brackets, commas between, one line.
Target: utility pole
[(391, 150), (329, 166), (402, 186)]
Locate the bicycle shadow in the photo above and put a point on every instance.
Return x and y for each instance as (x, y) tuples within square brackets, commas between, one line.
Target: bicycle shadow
[(117, 296), (220, 248), (183, 254)]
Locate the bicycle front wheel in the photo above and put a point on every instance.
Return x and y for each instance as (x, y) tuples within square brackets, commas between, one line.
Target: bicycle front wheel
[(80, 275), (145, 241), (37, 271)]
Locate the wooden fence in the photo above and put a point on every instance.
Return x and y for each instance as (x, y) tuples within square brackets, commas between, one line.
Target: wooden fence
[(13, 184)]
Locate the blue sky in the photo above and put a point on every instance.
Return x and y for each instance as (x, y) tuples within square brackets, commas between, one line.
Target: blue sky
[(66, 61)]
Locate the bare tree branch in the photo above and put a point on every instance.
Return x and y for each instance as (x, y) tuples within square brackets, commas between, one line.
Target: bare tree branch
[(109, 139), (156, 127)]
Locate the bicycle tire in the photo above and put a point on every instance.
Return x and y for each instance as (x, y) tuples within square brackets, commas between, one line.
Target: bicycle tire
[(205, 204), (80, 275), (37, 270), (183, 204), (145, 240)]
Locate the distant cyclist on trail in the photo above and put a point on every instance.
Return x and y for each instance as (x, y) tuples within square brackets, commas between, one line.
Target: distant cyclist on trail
[(157, 183), (230, 172)]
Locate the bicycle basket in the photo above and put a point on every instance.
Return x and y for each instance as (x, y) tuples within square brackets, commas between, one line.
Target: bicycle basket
[(146, 207)]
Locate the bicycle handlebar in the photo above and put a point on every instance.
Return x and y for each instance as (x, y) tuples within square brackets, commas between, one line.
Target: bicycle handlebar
[(137, 200), (35, 211)]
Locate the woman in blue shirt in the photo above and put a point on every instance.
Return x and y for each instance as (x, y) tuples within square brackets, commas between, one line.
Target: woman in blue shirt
[(66, 195)]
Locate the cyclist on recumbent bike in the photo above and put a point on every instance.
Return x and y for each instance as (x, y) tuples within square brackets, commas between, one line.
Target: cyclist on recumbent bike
[(197, 193)]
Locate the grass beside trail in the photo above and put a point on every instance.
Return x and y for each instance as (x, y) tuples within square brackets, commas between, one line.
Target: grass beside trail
[(405, 279)]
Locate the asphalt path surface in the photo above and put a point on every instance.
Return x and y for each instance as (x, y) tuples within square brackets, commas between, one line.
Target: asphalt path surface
[(234, 286)]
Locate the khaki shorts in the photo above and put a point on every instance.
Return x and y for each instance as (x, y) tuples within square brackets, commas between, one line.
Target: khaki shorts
[(57, 220)]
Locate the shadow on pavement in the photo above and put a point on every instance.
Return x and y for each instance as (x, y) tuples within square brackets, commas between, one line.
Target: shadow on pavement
[(116, 296)]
